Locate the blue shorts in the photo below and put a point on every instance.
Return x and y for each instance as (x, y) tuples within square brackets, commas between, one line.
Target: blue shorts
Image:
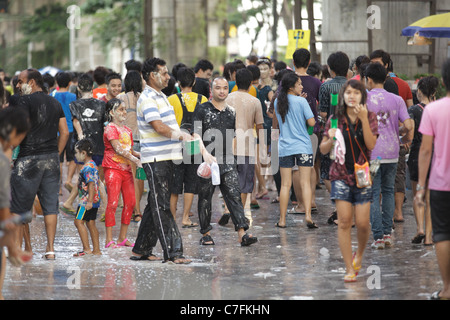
[(342, 191), (301, 160)]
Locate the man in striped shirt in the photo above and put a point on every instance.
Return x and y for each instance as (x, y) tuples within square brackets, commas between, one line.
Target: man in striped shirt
[(160, 138), (338, 65)]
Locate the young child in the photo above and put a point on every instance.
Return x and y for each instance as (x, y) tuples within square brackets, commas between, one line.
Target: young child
[(118, 160), (89, 196)]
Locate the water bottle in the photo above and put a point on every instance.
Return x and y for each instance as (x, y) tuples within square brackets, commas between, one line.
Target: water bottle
[(215, 174), (375, 166)]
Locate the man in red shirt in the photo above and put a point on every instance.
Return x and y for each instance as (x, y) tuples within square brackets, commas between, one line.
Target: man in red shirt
[(404, 89)]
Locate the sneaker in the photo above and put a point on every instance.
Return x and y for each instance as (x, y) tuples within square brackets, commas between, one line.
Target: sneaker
[(378, 244), (387, 240)]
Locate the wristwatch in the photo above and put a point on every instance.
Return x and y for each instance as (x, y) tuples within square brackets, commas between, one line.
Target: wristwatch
[(419, 187)]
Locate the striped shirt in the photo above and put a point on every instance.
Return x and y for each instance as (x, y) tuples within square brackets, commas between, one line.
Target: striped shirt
[(326, 89), (153, 106)]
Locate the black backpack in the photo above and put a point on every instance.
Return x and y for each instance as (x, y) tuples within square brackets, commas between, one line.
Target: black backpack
[(186, 122)]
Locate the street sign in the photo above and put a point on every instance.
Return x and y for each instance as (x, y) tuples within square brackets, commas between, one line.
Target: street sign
[(297, 39)]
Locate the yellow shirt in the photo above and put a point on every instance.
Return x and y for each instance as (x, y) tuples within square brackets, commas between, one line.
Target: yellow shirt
[(252, 90), (190, 100)]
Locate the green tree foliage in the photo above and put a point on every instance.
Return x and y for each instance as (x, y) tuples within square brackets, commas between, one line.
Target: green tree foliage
[(46, 28), (117, 23)]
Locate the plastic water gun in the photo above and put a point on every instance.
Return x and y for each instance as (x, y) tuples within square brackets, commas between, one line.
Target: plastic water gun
[(334, 103), (334, 120)]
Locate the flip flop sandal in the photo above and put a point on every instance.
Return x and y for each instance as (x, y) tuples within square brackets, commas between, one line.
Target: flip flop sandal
[(280, 226), (80, 254), (350, 278), (292, 211), (124, 244), (205, 239), (261, 196), (68, 211), (68, 187), (178, 260), (145, 258), (111, 243), (49, 253), (254, 206), (311, 225), (332, 218), (247, 240), (435, 296), (224, 219), (418, 239), (192, 225)]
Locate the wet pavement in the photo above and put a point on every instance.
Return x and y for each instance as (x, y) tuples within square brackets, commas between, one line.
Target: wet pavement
[(286, 264)]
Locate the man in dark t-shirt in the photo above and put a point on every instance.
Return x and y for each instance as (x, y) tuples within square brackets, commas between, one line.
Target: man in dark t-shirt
[(214, 123), (36, 170)]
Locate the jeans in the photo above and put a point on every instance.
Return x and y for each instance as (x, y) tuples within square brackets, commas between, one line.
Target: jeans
[(381, 215)]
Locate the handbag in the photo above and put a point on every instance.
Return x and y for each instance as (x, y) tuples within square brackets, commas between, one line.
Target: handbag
[(362, 172)]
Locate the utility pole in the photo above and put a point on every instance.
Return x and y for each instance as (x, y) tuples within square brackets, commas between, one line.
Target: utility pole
[(312, 27), (276, 17), (298, 5), (148, 28)]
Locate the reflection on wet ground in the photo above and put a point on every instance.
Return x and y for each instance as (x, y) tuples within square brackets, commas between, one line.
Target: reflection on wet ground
[(286, 264)]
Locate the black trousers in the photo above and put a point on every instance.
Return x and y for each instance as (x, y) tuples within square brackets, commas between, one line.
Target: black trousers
[(157, 221), (229, 186)]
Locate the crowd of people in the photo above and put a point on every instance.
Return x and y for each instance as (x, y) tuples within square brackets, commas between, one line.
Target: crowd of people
[(354, 127)]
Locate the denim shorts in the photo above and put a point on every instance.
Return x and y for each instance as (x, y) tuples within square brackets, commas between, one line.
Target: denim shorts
[(35, 175), (342, 191), (301, 160)]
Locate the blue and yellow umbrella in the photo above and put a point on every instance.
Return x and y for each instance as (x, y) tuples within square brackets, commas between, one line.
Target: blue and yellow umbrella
[(435, 26)]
